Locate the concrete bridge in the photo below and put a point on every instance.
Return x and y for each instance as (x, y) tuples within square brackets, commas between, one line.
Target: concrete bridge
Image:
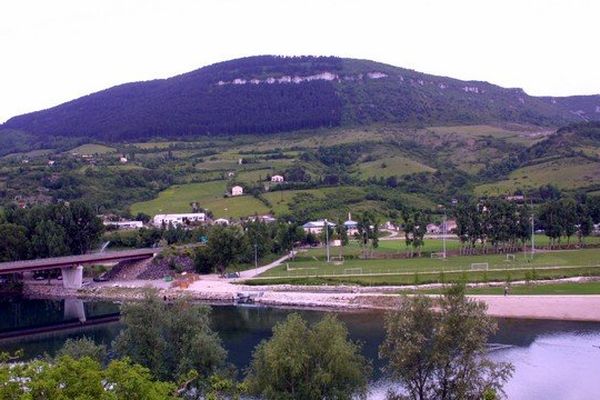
[(72, 266)]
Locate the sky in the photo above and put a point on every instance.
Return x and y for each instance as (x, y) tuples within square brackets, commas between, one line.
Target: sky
[(55, 51)]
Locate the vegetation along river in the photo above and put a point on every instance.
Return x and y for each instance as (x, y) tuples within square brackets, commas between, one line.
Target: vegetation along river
[(553, 359)]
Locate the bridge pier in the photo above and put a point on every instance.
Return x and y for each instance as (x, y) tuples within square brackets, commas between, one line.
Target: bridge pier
[(72, 277)]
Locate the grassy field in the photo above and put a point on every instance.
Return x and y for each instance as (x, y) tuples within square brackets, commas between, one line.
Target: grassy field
[(305, 265), (432, 277), (534, 289), (392, 166), (209, 195), (565, 173), (92, 148), (548, 265), (398, 246)]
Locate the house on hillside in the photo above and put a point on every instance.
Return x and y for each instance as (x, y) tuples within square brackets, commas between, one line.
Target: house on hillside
[(221, 221), (316, 227), (237, 191), (123, 160), (263, 218), (177, 219), (124, 224), (351, 226), (277, 179)]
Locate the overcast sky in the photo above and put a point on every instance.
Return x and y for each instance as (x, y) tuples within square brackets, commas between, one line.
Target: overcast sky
[(54, 51)]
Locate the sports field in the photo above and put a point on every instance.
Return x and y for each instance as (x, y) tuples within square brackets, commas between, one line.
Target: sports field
[(480, 268)]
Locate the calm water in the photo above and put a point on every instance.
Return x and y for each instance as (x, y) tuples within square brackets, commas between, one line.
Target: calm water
[(553, 360)]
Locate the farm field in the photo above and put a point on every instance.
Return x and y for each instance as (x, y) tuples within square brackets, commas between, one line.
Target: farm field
[(564, 173), (392, 166), (209, 195), (92, 148)]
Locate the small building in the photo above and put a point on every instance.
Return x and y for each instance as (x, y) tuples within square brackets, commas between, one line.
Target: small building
[(277, 179), (237, 191), (263, 218), (433, 229), (177, 219), (221, 221), (50, 162), (230, 174), (124, 224), (123, 160), (517, 197), (351, 226), (316, 227)]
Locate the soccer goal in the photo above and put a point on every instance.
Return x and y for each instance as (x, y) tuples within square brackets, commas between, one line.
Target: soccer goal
[(510, 258), (353, 271), (480, 266), (438, 255)]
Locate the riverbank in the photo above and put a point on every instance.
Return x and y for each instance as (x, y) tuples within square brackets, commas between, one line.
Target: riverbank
[(215, 290)]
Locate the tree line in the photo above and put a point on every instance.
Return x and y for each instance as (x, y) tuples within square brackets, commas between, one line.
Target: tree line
[(169, 351), (505, 226), (48, 231)]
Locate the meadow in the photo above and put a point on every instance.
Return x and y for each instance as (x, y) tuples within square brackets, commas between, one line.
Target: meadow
[(564, 173), (208, 195)]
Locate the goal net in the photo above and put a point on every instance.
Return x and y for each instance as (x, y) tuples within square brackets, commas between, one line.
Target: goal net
[(510, 258), (349, 271), (438, 255), (480, 266)]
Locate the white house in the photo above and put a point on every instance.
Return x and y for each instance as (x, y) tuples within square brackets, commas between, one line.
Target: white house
[(177, 219), (263, 218), (125, 224), (50, 162), (351, 226), (123, 160), (237, 191), (277, 179), (221, 221), (316, 227)]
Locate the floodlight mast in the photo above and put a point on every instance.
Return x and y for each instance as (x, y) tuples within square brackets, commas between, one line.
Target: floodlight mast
[(444, 224), (532, 230), (327, 237)]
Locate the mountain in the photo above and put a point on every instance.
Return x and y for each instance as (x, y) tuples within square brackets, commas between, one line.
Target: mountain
[(266, 94)]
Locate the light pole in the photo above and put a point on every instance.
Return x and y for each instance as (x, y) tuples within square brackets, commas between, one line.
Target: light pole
[(327, 238), (444, 223), (532, 231), (255, 255)]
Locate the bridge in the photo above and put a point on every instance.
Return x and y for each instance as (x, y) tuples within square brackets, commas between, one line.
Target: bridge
[(72, 266)]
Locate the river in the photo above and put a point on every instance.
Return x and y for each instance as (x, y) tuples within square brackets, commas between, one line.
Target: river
[(553, 359)]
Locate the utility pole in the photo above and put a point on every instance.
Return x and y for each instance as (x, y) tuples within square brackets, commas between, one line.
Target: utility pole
[(532, 231), (444, 224), (255, 255), (327, 238)]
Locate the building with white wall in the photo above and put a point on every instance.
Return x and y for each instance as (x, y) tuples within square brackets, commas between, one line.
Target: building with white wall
[(177, 219)]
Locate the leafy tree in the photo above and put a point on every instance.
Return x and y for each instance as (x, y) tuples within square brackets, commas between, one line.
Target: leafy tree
[(68, 378), (170, 339), (302, 362), (83, 347), (442, 355), (226, 246), (13, 242)]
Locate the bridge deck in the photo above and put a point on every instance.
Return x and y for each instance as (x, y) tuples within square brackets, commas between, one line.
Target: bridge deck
[(58, 262)]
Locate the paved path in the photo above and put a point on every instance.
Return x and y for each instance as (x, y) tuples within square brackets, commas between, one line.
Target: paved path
[(251, 273)]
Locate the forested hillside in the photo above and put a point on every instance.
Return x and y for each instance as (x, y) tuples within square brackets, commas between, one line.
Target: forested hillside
[(268, 94)]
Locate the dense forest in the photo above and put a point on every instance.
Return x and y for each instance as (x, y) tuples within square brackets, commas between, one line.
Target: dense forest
[(268, 94)]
